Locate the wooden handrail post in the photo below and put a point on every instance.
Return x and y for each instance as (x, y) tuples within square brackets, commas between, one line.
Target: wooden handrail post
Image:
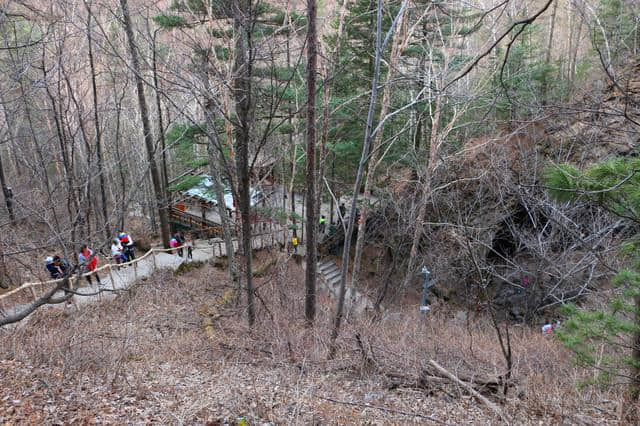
[(153, 256), (113, 283), (135, 271), (99, 290), (72, 280), (33, 293)]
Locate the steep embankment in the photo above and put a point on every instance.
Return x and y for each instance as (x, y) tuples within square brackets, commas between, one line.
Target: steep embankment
[(176, 350)]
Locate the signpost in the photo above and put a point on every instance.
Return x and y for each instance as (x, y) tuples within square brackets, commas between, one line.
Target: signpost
[(424, 308)]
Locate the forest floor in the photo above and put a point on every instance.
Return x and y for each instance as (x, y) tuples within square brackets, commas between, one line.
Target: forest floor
[(175, 349)]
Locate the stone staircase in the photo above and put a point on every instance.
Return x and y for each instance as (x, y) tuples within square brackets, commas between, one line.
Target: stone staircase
[(330, 273)]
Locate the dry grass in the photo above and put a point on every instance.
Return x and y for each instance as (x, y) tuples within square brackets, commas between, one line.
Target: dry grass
[(145, 356)]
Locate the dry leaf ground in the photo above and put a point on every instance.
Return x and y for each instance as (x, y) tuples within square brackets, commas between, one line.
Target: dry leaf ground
[(175, 350)]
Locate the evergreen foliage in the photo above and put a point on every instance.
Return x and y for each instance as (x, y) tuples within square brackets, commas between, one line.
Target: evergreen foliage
[(614, 185), (617, 32)]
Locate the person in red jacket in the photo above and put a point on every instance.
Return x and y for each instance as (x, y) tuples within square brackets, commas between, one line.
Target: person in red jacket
[(89, 262)]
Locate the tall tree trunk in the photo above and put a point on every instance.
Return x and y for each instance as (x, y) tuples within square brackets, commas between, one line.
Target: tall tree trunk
[(6, 190), (574, 46), (332, 207), (243, 18), (73, 205), (43, 165), (103, 194), (291, 144), (438, 135), (215, 165), (165, 173), (87, 145), (310, 280), (363, 161), (330, 70), (214, 154), (352, 210), (122, 206), (373, 161), (148, 138), (548, 56)]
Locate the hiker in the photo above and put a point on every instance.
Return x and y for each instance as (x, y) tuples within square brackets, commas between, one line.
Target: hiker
[(173, 243), (54, 271), (294, 243), (128, 247), (548, 327), (89, 262), (189, 244), (117, 251), (322, 223), (180, 239), (58, 268), (343, 210)]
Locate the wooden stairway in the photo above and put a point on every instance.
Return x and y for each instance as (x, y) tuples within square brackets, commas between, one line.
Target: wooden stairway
[(204, 227)]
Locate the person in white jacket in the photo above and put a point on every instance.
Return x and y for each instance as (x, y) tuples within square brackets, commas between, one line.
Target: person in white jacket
[(117, 252)]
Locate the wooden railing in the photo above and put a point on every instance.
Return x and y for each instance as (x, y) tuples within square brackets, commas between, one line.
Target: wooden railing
[(197, 223), (268, 239)]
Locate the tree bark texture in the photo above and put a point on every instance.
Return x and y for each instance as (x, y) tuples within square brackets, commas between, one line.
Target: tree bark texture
[(6, 190), (148, 138), (215, 165), (243, 16), (373, 161), (103, 194), (363, 159), (310, 278)]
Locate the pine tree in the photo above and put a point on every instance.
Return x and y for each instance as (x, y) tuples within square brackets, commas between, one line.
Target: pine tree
[(615, 186)]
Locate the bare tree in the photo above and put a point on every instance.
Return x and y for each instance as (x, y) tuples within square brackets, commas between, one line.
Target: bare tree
[(243, 17), (376, 149), (379, 48), (103, 193), (312, 261), (7, 191), (161, 203)]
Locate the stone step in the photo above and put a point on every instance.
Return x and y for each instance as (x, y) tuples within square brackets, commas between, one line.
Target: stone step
[(330, 271), (334, 281), (332, 274), (326, 266)]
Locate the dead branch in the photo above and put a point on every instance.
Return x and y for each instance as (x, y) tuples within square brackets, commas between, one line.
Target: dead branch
[(470, 389), (47, 299), (386, 410), (524, 22)]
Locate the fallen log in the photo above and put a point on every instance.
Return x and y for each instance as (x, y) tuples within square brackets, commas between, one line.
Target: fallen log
[(493, 407)]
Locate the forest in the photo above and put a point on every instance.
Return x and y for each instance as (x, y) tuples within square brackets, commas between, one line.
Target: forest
[(320, 212)]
